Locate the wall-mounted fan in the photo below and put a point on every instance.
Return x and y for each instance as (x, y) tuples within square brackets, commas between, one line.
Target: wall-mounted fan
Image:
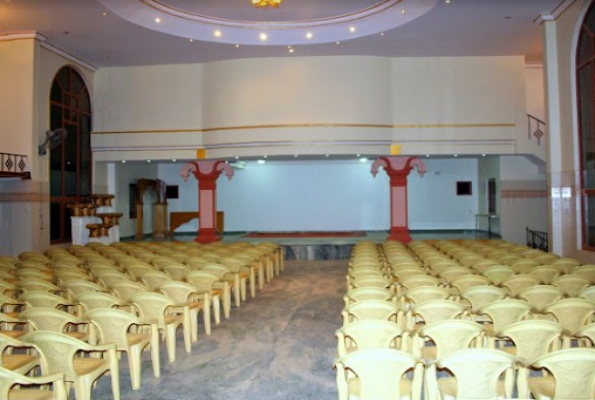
[(52, 140)]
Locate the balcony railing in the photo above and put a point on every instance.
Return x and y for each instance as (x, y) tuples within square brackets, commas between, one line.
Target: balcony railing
[(536, 128), (14, 165), (537, 239)]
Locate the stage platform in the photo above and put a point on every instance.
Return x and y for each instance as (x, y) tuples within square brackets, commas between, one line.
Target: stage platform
[(333, 247)]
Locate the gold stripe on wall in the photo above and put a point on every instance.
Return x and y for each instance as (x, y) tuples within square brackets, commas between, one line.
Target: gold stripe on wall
[(316, 125), (24, 197)]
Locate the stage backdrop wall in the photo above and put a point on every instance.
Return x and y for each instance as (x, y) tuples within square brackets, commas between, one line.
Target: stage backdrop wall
[(330, 196)]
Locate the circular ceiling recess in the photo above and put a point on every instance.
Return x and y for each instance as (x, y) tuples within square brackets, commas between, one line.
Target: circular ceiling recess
[(295, 22)]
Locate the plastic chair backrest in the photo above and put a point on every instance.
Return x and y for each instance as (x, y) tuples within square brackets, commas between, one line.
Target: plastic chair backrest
[(480, 296), (371, 334), (371, 309), (477, 372), (573, 313), (439, 310), (451, 335), (533, 338), (573, 371), (379, 372), (571, 284), (505, 312), (541, 296)]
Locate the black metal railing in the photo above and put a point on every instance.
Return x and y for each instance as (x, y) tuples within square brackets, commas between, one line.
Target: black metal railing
[(537, 239), (536, 128), (14, 165)]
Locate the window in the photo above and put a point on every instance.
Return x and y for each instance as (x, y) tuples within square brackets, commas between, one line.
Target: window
[(585, 75), (70, 162)]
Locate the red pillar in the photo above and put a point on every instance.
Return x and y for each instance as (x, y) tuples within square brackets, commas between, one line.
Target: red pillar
[(207, 173), (398, 169)]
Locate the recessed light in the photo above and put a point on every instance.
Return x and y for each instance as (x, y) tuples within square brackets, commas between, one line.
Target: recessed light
[(263, 36), (123, 161), (191, 40), (174, 160), (381, 33), (447, 1), (309, 35), (363, 160), (237, 45), (352, 29), (148, 160), (291, 50), (261, 162), (104, 14), (217, 33), (157, 20), (403, 11), (337, 42)]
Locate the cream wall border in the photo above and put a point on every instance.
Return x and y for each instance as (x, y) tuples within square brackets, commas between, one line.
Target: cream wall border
[(316, 125)]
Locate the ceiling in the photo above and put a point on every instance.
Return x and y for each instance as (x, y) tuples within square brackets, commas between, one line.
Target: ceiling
[(124, 32)]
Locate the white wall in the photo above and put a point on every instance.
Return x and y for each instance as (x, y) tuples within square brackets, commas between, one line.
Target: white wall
[(523, 200), (311, 105), (433, 200), (330, 196)]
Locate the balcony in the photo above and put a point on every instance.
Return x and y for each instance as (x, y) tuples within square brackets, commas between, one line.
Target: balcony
[(14, 166)]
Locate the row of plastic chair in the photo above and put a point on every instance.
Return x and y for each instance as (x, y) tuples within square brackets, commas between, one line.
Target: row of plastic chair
[(85, 295), (379, 309)]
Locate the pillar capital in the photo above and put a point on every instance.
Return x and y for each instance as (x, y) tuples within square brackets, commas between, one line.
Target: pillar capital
[(207, 172)]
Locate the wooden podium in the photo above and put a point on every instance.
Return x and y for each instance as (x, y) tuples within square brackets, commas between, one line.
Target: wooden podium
[(178, 218)]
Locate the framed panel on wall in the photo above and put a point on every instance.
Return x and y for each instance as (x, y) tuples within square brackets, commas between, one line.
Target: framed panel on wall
[(464, 188)]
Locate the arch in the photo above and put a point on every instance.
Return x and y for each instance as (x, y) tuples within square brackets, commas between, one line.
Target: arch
[(70, 162)]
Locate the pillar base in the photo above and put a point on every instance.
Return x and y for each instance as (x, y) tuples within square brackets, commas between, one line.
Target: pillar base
[(402, 235), (207, 236)]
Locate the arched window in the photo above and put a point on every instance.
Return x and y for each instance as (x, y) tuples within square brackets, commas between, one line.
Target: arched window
[(70, 162)]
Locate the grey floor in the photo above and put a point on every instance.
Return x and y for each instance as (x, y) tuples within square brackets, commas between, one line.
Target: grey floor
[(279, 345)]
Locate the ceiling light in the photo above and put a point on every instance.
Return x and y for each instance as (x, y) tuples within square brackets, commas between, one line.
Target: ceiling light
[(157, 20), (291, 50), (295, 155), (123, 161), (326, 155), (237, 157), (456, 155), (261, 162), (403, 11), (381, 33), (309, 35), (237, 45), (483, 155), (447, 1), (265, 156), (174, 160), (358, 155), (263, 36), (104, 14), (352, 29), (427, 155), (217, 33), (148, 160), (337, 42), (191, 40), (266, 3), (363, 160)]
